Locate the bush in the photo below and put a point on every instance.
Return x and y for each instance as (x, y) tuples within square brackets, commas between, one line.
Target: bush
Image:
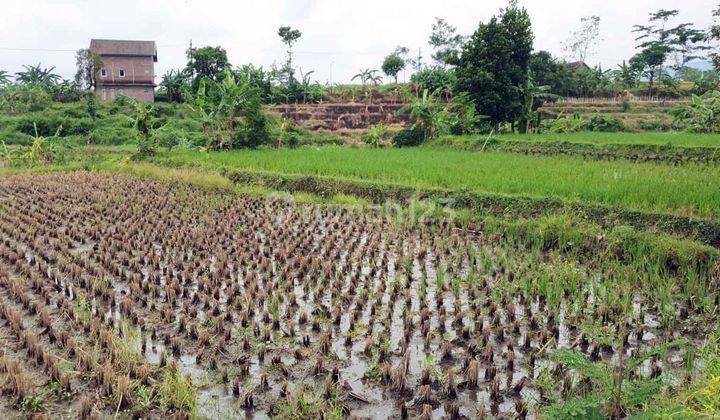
[(13, 137), (18, 99), (112, 136), (170, 137), (117, 120), (253, 130), (604, 123), (653, 125), (376, 136), (433, 79), (408, 137), (72, 110), (49, 123), (701, 115), (569, 124)]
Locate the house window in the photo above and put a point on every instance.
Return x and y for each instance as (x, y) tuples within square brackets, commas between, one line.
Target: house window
[(103, 72), (122, 72)]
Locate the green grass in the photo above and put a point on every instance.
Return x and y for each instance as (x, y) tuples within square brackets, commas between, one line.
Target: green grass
[(678, 139), (691, 189)]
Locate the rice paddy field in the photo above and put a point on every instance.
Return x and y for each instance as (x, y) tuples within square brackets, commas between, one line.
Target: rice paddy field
[(689, 189), (598, 138), (133, 297), (169, 289)]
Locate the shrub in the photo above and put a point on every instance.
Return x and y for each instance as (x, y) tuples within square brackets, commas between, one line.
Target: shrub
[(112, 136), (17, 99), (604, 123), (701, 115), (49, 123), (170, 137), (252, 131), (11, 137), (376, 136), (116, 120), (408, 137), (653, 125), (569, 124), (433, 79)]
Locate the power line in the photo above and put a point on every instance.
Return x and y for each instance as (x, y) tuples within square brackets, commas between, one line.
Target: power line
[(36, 49)]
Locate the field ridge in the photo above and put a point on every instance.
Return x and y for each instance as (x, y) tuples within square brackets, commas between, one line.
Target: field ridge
[(633, 152), (700, 229)]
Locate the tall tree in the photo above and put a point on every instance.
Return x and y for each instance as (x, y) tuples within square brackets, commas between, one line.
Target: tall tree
[(582, 42), (655, 45), (446, 43), (206, 62), (393, 65), (687, 43), (713, 35), (494, 64), (88, 66), (548, 71), (289, 37)]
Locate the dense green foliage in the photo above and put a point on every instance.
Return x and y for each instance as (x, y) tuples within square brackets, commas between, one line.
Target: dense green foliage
[(393, 65), (494, 64), (702, 114)]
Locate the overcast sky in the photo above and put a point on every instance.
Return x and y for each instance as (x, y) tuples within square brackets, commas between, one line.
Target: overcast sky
[(338, 34)]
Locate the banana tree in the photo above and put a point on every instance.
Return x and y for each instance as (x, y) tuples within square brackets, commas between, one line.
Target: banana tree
[(531, 94), (4, 78), (37, 76), (701, 115), (427, 114), (221, 105), (367, 77), (143, 125)]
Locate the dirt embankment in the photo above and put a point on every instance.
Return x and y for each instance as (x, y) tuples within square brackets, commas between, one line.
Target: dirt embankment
[(351, 115)]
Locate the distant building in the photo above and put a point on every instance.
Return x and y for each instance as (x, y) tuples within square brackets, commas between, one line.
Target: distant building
[(128, 69), (579, 65)]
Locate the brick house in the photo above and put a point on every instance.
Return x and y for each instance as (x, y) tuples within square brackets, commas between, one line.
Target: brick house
[(128, 69)]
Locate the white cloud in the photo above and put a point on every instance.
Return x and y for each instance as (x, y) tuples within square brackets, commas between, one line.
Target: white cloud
[(349, 34)]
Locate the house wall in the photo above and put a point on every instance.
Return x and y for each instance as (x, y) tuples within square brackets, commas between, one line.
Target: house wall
[(139, 93), (138, 71)]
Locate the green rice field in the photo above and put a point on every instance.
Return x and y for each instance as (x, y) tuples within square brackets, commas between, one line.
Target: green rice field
[(676, 139), (689, 190)]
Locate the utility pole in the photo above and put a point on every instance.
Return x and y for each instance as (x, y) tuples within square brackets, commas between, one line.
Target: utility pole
[(419, 59)]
